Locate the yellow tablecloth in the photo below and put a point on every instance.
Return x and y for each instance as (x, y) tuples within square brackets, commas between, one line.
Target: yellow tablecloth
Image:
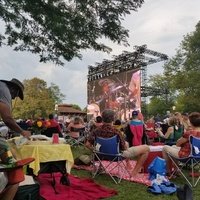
[(45, 151)]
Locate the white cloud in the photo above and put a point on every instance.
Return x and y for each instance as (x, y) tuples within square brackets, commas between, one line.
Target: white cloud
[(159, 24)]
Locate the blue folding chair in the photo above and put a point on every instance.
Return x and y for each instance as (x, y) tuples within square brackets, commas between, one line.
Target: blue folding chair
[(108, 149), (193, 160)]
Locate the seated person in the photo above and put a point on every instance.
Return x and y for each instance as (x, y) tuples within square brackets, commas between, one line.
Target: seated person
[(118, 125), (76, 128), (174, 131), (97, 123), (182, 147), (7, 192), (52, 127), (107, 130), (185, 121)]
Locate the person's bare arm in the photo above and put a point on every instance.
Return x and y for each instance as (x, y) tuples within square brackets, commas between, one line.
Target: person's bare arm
[(181, 141), (170, 131), (7, 118), (167, 134)]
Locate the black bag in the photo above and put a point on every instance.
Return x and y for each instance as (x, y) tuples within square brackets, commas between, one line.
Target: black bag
[(184, 193), (28, 192)]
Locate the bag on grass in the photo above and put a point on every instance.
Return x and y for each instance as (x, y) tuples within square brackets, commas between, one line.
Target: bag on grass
[(157, 166), (83, 160)]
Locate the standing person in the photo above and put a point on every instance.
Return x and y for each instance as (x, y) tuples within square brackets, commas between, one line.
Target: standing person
[(137, 130), (9, 90), (107, 130)]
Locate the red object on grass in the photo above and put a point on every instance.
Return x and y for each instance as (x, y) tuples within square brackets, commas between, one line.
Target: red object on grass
[(79, 189), (195, 174), (15, 174)]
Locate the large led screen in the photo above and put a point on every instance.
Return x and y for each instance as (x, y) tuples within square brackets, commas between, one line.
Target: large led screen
[(120, 92)]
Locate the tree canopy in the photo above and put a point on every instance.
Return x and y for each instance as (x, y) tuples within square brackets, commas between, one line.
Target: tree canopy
[(181, 75), (39, 100), (57, 29)]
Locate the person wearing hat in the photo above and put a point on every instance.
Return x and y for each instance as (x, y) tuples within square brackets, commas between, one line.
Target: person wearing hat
[(9, 90), (135, 130)]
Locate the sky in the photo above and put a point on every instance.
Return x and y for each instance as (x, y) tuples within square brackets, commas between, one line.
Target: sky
[(159, 24)]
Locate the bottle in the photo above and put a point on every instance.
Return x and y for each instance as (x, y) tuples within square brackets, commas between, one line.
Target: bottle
[(5, 153)]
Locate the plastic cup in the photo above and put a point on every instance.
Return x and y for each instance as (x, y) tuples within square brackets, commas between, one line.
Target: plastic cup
[(55, 138)]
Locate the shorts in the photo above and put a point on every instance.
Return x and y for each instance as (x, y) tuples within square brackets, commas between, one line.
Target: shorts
[(129, 153)]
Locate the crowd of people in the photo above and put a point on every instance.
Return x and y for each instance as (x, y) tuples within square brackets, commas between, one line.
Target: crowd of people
[(135, 135)]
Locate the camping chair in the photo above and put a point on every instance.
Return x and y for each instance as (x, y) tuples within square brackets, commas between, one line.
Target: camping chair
[(108, 149), (193, 160), (76, 141)]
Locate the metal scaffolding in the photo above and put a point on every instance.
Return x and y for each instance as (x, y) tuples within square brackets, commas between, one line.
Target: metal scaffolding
[(139, 59)]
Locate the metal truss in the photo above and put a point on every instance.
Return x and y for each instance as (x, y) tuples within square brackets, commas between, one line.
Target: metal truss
[(138, 59)]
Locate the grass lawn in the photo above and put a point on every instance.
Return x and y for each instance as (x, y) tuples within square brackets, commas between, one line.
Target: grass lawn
[(129, 190)]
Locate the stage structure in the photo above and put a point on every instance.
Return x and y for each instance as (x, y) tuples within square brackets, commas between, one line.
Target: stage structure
[(121, 83)]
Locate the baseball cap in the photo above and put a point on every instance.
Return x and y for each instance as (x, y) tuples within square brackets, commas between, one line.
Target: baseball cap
[(135, 113)]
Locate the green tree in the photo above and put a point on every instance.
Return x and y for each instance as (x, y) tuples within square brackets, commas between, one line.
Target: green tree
[(39, 100), (57, 29), (181, 75), (77, 107), (184, 70), (56, 94)]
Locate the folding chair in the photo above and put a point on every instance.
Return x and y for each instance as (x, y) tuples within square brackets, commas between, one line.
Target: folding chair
[(193, 160), (108, 149), (76, 141)]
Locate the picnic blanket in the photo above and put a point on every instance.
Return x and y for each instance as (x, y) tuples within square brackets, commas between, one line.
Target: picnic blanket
[(142, 178), (79, 189)]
